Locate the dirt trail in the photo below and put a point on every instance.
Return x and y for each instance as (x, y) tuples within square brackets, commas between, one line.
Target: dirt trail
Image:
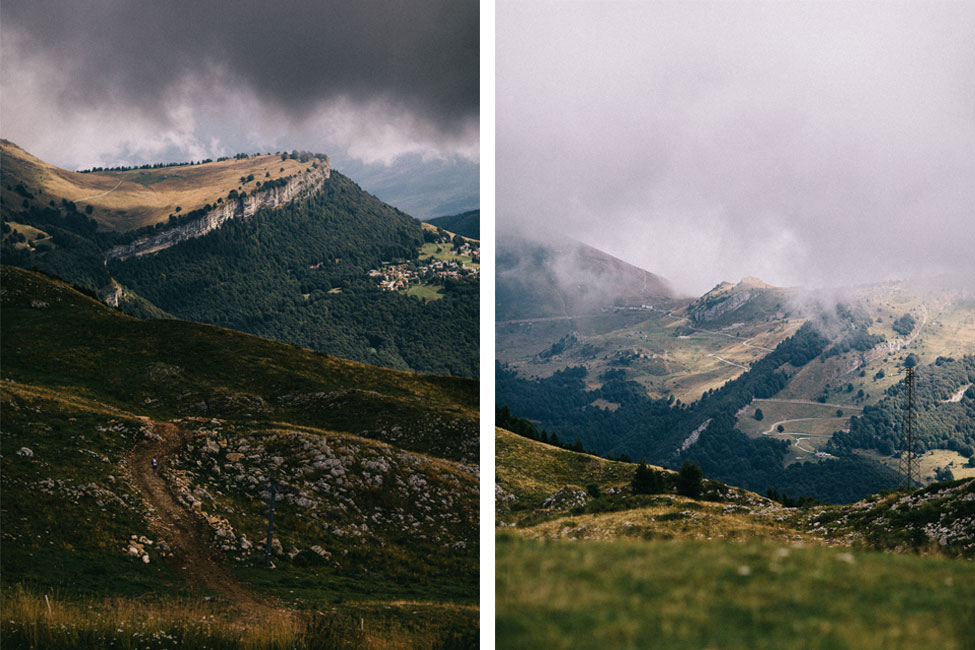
[(95, 196), (807, 401), (183, 532)]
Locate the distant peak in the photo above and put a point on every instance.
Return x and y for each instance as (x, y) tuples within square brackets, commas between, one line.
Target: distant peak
[(751, 282)]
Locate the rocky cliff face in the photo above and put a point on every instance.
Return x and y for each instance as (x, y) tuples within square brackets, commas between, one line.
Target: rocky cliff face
[(710, 310), (297, 187)]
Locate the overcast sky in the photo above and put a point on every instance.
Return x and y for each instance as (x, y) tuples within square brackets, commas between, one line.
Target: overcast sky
[(805, 143), (103, 82)]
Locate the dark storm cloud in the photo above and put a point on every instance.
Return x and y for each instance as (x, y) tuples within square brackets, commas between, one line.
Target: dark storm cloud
[(806, 143), (421, 55)]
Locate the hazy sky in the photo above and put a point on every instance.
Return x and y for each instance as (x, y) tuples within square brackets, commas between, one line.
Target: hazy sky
[(805, 143), (94, 82)]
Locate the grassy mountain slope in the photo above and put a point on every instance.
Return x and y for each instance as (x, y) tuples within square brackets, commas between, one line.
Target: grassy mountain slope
[(131, 199), (734, 571), (300, 275), (375, 469)]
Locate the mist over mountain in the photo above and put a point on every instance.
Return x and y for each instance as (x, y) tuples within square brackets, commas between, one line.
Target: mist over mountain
[(562, 278), (809, 145)]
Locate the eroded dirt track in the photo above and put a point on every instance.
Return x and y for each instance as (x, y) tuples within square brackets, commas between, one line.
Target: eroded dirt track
[(194, 558)]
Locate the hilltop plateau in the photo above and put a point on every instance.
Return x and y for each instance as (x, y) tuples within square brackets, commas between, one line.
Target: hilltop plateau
[(374, 472), (125, 199)]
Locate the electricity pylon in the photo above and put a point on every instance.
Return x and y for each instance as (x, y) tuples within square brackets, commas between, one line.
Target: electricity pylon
[(909, 467)]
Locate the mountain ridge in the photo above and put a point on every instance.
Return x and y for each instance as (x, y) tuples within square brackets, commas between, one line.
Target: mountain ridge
[(302, 267)]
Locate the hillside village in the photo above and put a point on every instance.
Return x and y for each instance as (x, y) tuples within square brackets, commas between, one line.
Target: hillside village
[(443, 259)]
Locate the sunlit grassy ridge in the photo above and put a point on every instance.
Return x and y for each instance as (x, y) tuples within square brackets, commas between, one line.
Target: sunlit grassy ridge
[(532, 470), (126, 200)]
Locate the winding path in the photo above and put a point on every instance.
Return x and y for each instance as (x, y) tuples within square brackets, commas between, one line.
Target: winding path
[(743, 341), (95, 196), (807, 401), (184, 533), (730, 363)]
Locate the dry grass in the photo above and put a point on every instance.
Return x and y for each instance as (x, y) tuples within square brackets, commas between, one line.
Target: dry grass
[(529, 468), (132, 199), (673, 517), (49, 621), (32, 620), (929, 462)]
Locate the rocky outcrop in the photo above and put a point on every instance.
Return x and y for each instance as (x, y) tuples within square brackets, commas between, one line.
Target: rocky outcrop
[(111, 295), (711, 310), (566, 498), (297, 187)]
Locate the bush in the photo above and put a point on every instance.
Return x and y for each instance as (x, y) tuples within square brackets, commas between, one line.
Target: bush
[(647, 481), (759, 415), (690, 480)]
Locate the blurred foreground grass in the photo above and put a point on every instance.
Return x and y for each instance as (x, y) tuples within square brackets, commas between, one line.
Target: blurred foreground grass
[(707, 594)]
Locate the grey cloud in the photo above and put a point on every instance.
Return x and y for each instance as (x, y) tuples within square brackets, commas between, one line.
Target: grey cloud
[(413, 57), (807, 143), (419, 52)]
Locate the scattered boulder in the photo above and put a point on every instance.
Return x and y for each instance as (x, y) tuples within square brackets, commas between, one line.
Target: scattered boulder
[(566, 498), (319, 550)]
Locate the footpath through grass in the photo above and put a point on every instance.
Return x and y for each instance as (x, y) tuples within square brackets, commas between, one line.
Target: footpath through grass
[(697, 594)]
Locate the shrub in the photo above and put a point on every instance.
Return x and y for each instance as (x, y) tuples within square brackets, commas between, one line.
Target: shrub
[(690, 480), (647, 481)]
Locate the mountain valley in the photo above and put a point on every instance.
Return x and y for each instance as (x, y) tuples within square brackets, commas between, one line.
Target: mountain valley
[(763, 387)]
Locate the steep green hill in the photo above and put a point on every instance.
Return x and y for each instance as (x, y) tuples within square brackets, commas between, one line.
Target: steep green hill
[(297, 270), (375, 469), (465, 224)]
